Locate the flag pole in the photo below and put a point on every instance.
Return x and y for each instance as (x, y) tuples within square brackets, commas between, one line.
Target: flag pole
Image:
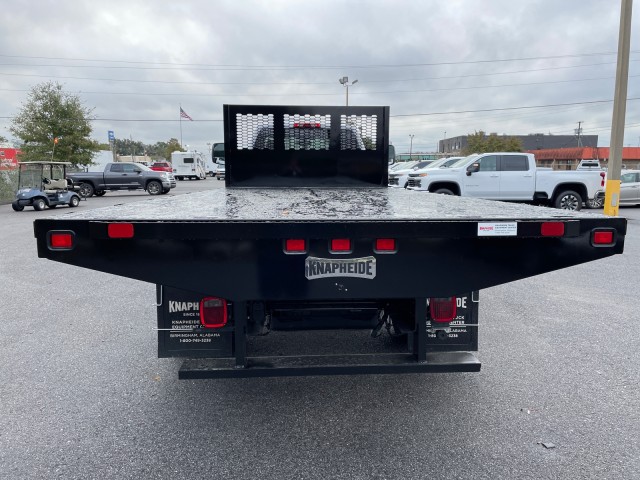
[(180, 115)]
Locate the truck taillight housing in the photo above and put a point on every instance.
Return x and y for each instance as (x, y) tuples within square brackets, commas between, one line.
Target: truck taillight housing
[(120, 230), (442, 309), (602, 176), (213, 312), (603, 238), (552, 229), (61, 240), (295, 245), (385, 245), (340, 245)]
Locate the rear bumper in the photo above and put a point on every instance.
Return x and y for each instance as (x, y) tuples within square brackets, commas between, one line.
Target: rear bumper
[(436, 362)]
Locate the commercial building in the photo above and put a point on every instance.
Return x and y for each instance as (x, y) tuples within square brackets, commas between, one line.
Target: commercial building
[(533, 141), (569, 158)]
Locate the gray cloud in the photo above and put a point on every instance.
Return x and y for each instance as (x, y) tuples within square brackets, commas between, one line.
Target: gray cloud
[(204, 54)]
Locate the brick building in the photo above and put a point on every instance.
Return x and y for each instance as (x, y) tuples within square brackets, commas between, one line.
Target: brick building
[(534, 141), (569, 158)]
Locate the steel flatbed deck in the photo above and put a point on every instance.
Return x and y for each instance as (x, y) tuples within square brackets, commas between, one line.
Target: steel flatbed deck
[(318, 204)]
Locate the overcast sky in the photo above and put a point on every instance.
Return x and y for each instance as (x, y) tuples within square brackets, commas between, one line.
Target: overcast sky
[(136, 62)]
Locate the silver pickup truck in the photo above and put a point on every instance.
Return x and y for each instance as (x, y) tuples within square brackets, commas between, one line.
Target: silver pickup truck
[(123, 176)]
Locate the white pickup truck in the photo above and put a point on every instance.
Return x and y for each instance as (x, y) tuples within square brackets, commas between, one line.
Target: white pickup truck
[(512, 177)]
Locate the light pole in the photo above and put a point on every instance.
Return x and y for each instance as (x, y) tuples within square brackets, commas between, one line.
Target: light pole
[(55, 142), (411, 146), (345, 81)]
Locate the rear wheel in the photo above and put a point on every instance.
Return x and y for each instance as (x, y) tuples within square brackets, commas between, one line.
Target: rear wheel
[(595, 202), (99, 193), (154, 187), (86, 190), (444, 191), (75, 201), (569, 200), (39, 204), (53, 206), (165, 191), (17, 207)]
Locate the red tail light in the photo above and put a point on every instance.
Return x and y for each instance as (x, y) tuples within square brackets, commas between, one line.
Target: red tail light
[(120, 230), (385, 245), (213, 312), (306, 125), (295, 245), (442, 309), (342, 245), (552, 229), (602, 176), (61, 240), (602, 238)]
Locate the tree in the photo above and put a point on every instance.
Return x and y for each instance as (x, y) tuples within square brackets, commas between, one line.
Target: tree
[(480, 142), (54, 125), (126, 147), (173, 145)]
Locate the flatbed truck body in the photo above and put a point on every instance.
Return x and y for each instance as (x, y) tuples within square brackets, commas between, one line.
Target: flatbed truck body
[(240, 268)]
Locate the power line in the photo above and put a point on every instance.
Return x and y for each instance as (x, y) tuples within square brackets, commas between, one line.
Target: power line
[(475, 87), (278, 67), (445, 77), (525, 107), (509, 108)]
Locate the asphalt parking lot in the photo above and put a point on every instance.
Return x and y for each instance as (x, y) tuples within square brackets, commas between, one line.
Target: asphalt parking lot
[(83, 395)]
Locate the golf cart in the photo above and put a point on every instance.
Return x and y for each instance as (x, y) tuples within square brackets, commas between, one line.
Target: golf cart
[(44, 184)]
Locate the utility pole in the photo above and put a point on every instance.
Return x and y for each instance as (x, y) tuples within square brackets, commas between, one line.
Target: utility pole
[(579, 133), (411, 146), (612, 193)]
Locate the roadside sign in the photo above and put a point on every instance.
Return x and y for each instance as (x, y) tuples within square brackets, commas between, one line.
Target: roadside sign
[(112, 136)]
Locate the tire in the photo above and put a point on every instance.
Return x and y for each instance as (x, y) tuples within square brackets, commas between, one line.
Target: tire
[(165, 191), (444, 191), (39, 204), (154, 187), (53, 206), (17, 207), (595, 203), (568, 200), (99, 193), (74, 201), (179, 178), (86, 190)]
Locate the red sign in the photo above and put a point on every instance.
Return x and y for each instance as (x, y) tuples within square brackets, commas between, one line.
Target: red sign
[(8, 158)]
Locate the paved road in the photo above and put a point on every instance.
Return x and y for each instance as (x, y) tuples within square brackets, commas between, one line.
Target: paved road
[(82, 394)]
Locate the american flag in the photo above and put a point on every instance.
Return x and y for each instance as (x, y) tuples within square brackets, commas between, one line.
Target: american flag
[(183, 114)]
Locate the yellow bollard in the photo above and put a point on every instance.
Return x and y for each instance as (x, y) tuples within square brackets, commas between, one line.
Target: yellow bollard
[(612, 198)]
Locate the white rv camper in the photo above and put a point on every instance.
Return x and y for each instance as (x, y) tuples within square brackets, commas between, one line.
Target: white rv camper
[(189, 165)]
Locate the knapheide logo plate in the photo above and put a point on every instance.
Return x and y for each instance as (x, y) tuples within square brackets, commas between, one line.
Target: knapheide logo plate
[(364, 267)]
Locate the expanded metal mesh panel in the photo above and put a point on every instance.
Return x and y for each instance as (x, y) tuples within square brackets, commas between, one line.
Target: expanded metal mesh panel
[(306, 132), (254, 131), (350, 125)]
